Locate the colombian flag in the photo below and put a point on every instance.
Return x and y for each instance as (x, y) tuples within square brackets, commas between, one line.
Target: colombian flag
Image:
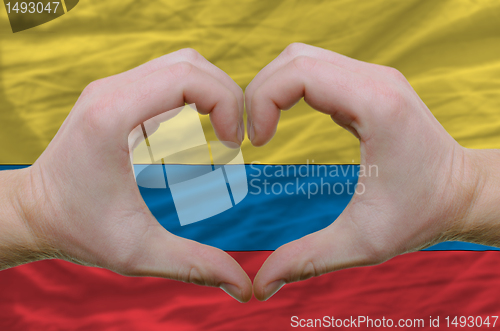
[(449, 52)]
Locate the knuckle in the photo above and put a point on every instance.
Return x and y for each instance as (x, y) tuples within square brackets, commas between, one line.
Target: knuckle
[(390, 95), (396, 74), (304, 63), (194, 276), (190, 54), (390, 99), (191, 274), (97, 114), (295, 49), (93, 87), (392, 73), (181, 69), (310, 270), (194, 270)]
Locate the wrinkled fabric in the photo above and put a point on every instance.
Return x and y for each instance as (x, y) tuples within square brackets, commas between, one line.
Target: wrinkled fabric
[(448, 51), (58, 295)]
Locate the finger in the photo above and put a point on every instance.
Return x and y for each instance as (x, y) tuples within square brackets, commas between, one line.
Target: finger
[(326, 87), (298, 49), (165, 255), (163, 90), (330, 249), (183, 55)]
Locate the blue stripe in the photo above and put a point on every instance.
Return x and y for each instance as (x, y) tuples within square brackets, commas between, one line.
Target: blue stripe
[(266, 221)]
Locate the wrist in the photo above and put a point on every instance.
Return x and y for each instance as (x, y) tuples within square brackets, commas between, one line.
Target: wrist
[(480, 222), (19, 243)]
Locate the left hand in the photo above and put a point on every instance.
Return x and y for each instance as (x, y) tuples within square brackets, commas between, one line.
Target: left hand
[(80, 200)]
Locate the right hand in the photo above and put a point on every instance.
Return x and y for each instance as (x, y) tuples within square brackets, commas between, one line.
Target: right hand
[(424, 186)]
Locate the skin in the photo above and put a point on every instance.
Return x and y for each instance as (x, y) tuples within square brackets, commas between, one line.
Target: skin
[(80, 202), (428, 189)]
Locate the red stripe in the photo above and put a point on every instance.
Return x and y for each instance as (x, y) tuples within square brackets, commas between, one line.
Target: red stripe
[(54, 295)]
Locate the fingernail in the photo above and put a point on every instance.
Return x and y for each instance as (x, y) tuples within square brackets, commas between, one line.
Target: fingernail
[(251, 130), (232, 290), (272, 288), (241, 131)]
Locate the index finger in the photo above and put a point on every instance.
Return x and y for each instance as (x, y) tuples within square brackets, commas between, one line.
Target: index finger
[(183, 55), (116, 114), (295, 50), (331, 89)]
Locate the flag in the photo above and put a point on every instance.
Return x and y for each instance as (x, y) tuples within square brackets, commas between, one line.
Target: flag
[(448, 51)]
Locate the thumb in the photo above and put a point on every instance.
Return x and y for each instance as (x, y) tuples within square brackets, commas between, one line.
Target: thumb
[(165, 255), (333, 248)]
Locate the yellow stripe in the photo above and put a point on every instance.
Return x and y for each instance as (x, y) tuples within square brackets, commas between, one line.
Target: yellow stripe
[(447, 49)]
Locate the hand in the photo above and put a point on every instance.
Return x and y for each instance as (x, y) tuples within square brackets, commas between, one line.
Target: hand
[(426, 182), (80, 201)]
